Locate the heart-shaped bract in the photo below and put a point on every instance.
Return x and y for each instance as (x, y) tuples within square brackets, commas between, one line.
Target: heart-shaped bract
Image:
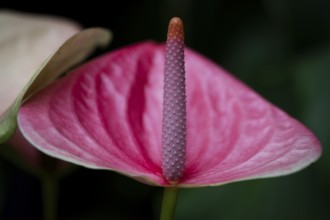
[(107, 114)]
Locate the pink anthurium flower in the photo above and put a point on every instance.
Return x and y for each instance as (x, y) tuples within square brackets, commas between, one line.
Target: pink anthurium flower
[(211, 130)]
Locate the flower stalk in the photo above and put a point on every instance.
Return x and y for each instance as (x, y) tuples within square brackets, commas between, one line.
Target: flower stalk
[(50, 196), (169, 203), (174, 116)]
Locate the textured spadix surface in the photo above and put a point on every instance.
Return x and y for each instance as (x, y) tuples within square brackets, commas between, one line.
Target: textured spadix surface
[(174, 104), (107, 114)]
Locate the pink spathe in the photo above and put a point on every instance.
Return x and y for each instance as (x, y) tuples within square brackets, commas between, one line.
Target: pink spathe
[(107, 114)]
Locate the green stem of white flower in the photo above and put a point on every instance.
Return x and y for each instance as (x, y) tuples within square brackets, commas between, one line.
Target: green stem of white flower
[(50, 196)]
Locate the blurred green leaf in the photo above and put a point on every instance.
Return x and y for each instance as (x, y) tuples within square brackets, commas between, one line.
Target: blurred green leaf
[(312, 73)]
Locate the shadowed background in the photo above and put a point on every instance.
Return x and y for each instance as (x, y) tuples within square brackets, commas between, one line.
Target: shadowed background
[(279, 48)]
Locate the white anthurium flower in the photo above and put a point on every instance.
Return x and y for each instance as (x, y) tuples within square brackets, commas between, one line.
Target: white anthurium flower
[(34, 51)]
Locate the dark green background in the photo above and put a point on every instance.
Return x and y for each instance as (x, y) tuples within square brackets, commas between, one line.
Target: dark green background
[(280, 48)]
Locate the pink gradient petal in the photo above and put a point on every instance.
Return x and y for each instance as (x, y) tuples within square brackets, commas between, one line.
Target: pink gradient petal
[(97, 116), (107, 114), (234, 134)]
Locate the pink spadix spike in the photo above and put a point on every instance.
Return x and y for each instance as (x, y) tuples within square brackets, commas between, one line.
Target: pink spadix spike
[(174, 104)]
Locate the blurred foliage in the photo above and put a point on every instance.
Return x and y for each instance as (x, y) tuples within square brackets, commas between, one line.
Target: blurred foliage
[(279, 48)]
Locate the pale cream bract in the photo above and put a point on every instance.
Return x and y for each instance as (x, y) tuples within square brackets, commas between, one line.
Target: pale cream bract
[(26, 41), (35, 51)]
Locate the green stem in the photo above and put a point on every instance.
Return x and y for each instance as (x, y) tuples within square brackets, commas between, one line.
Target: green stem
[(50, 194), (169, 203)]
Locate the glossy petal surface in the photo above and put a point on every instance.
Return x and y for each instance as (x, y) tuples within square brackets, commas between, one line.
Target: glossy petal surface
[(107, 114)]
